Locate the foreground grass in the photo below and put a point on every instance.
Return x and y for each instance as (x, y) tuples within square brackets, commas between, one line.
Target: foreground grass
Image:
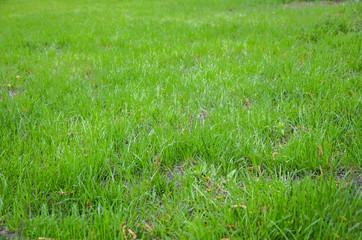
[(180, 120)]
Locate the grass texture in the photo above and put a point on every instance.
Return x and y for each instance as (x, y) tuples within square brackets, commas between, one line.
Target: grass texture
[(180, 119)]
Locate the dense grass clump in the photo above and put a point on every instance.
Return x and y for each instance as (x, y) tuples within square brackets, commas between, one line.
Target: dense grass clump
[(180, 119)]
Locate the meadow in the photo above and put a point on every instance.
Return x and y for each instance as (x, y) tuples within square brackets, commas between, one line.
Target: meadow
[(180, 119)]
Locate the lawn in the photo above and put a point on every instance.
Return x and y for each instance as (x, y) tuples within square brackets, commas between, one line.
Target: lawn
[(180, 119)]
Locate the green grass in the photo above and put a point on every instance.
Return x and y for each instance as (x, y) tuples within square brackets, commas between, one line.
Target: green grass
[(127, 112)]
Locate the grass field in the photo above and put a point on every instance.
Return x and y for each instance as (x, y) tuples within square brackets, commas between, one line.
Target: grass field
[(180, 119)]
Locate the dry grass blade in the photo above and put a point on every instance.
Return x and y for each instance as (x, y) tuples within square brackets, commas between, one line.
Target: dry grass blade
[(149, 229), (259, 170), (319, 151), (238, 206), (304, 128), (320, 169), (124, 231), (132, 233), (232, 226)]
